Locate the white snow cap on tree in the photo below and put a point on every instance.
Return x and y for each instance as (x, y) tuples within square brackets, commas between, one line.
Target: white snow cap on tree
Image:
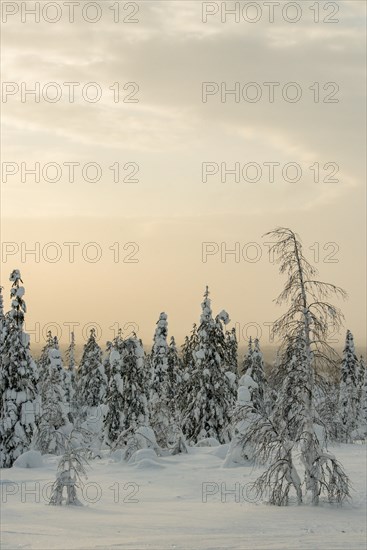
[(18, 305), (223, 316)]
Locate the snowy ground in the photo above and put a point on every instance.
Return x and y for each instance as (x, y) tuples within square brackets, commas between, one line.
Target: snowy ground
[(170, 512)]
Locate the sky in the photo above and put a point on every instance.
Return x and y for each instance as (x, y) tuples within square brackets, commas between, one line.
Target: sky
[(117, 253)]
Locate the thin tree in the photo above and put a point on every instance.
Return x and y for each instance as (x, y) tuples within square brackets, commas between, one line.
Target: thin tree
[(349, 398), (70, 471), (232, 350), (71, 375), (304, 331), (247, 360), (158, 394)]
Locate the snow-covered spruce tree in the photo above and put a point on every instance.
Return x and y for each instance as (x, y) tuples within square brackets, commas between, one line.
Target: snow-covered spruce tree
[(255, 369), (135, 410), (164, 363), (349, 397), (361, 395), (174, 390), (117, 344), (158, 391), (70, 355), (362, 364), (2, 329), (250, 403), (187, 361), (294, 426), (175, 379), (2, 315), (71, 372), (127, 400), (188, 348), (247, 360), (112, 423), (209, 390), (244, 414), (20, 404), (54, 423), (232, 350), (91, 378), (327, 405), (42, 362), (174, 373)]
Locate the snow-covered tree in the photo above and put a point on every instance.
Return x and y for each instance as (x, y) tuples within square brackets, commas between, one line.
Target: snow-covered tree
[(91, 378), (361, 378), (43, 360), (174, 370), (117, 344), (127, 401), (363, 368), (294, 425), (20, 404), (247, 360), (70, 378), (257, 373), (113, 422), (54, 422), (2, 326), (165, 386), (175, 398), (232, 350), (250, 402), (327, 406), (135, 410), (70, 355), (209, 390), (349, 397), (244, 414), (2, 315), (188, 348), (70, 471), (158, 398)]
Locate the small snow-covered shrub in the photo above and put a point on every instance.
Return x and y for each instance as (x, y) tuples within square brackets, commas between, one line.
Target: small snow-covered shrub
[(70, 471)]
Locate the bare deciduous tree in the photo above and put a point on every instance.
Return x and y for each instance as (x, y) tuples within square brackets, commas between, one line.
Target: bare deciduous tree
[(294, 425)]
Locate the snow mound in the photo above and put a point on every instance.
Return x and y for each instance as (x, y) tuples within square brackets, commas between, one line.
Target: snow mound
[(208, 442), (29, 459), (221, 451), (146, 463), (145, 459), (143, 454), (117, 455)]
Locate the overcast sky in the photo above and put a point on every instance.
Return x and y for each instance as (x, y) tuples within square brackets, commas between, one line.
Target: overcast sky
[(168, 134)]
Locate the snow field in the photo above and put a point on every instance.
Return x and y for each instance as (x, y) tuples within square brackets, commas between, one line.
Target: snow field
[(158, 503)]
